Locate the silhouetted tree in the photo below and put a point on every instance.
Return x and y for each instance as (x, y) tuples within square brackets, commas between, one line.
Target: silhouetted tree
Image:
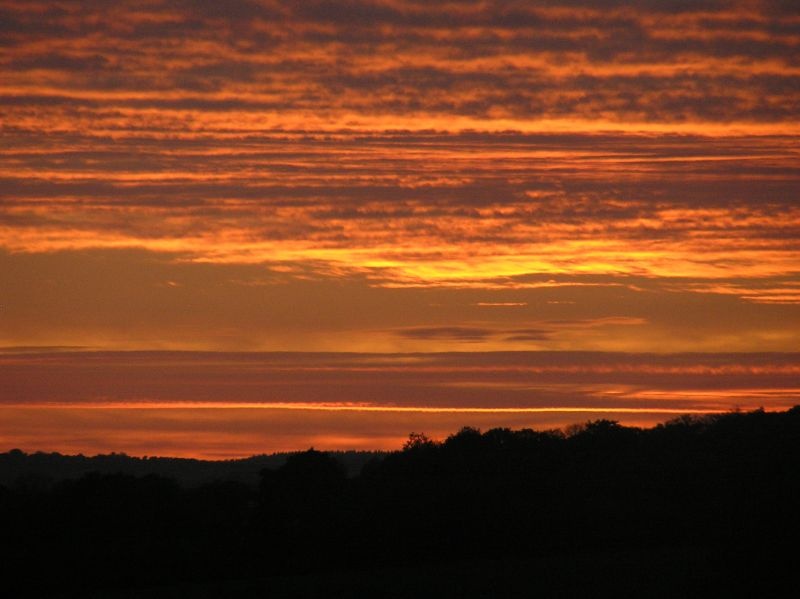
[(417, 441)]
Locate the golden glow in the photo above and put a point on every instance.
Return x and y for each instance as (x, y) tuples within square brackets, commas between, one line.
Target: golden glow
[(222, 433), (344, 407)]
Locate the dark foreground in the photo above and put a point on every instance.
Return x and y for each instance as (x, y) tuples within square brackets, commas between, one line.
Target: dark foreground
[(696, 507)]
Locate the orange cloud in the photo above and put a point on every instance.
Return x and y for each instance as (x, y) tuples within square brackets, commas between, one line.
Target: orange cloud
[(473, 146)]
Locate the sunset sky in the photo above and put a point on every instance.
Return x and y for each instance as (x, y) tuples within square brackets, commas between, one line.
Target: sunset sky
[(238, 227)]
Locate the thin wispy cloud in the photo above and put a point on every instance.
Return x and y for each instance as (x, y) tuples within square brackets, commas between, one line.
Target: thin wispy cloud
[(212, 404)]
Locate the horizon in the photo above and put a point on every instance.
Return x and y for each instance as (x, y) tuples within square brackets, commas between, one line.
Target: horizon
[(566, 431), (219, 405)]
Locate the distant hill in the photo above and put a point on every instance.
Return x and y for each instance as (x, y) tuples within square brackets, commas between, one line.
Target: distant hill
[(43, 469)]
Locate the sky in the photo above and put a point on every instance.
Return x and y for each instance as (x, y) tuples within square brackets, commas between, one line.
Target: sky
[(240, 227)]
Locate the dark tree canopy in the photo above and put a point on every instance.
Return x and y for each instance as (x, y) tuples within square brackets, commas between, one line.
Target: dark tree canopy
[(701, 501)]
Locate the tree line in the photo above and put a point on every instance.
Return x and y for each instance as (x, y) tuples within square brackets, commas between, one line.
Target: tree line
[(708, 497)]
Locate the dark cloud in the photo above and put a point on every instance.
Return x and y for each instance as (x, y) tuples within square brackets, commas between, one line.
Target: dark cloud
[(228, 10), (447, 333), (60, 62), (322, 47), (529, 335), (520, 379)]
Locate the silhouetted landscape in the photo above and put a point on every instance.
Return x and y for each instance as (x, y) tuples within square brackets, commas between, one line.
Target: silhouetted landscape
[(697, 505), (43, 470)]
